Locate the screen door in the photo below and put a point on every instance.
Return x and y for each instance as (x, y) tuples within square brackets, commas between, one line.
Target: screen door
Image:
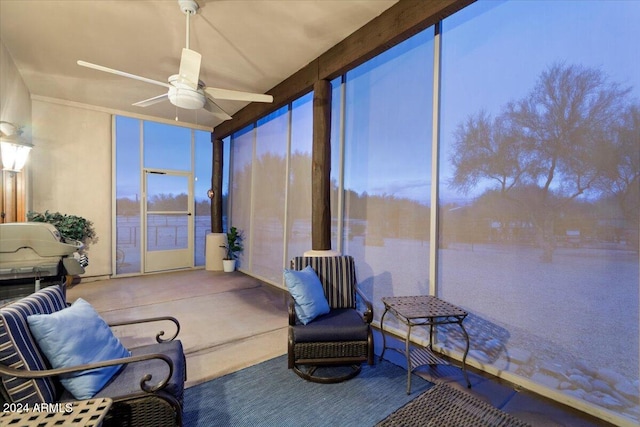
[(168, 220)]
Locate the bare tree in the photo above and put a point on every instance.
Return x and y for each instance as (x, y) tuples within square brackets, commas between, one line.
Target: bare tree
[(544, 150), (485, 151), (621, 165)]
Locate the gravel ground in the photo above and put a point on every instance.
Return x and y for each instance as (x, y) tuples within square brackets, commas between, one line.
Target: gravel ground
[(581, 307)]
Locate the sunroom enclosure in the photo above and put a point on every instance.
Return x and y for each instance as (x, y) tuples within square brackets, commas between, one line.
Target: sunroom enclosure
[(497, 169)]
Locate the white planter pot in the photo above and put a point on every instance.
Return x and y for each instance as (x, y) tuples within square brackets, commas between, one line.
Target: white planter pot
[(228, 265)]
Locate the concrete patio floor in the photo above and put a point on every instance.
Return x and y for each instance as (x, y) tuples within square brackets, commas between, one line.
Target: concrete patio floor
[(230, 321)]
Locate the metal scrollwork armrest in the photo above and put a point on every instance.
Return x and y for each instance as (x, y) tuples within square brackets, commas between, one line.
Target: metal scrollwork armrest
[(153, 319), (144, 381), (367, 315)]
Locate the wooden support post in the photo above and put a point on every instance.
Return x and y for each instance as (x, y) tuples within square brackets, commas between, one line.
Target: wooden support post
[(216, 185), (321, 167)]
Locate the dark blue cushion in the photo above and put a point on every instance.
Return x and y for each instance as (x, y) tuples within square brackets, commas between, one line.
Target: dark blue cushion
[(341, 324), (18, 348)]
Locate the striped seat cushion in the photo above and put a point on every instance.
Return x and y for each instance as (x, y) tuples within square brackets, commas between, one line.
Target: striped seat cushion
[(18, 349), (337, 275)]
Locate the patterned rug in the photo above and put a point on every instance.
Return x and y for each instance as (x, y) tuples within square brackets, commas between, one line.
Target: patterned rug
[(269, 394)]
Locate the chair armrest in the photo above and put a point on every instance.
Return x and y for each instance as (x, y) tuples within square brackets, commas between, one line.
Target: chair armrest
[(292, 311), (367, 315), (153, 319), (22, 373)]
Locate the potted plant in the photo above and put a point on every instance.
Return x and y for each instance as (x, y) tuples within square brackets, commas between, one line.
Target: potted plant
[(232, 247), (71, 227)]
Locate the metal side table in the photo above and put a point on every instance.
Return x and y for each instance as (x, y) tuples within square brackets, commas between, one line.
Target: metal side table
[(86, 413), (423, 310)]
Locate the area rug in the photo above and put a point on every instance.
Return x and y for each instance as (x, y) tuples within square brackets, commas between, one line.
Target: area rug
[(269, 394)]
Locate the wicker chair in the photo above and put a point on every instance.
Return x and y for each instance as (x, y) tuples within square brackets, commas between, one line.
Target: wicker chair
[(147, 391), (341, 337)]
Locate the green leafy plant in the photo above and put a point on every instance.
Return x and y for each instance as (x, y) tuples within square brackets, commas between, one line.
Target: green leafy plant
[(71, 227), (233, 245)]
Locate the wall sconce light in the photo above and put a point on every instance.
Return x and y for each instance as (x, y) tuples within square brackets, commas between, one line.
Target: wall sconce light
[(14, 149)]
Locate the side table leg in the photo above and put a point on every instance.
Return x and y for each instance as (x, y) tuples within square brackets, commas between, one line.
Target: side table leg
[(384, 340), (464, 357), (430, 333), (408, 354)]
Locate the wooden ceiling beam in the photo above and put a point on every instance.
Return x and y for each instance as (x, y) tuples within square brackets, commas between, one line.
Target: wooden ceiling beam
[(401, 21)]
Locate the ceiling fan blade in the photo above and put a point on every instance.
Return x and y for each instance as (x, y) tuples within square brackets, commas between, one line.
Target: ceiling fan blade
[(190, 68), (122, 73), (151, 101), (236, 95), (215, 109)]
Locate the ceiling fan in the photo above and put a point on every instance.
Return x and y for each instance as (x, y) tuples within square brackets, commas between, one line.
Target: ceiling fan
[(186, 90)]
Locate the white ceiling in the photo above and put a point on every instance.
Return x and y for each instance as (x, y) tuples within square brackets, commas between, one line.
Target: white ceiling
[(248, 45)]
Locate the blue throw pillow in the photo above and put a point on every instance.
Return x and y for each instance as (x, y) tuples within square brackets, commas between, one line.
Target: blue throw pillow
[(307, 292), (75, 336)]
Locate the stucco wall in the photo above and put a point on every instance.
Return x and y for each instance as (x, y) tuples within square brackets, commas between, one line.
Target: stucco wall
[(15, 99), (71, 171)]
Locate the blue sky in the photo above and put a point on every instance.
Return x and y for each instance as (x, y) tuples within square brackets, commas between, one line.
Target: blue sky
[(163, 138), (492, 53)]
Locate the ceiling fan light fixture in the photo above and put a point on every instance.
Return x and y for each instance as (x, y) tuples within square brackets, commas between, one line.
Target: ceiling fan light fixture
[(186, 98)]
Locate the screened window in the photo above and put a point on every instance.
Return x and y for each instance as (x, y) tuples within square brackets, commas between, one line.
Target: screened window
[(387, 169), (167, 146), (241, 188), (143, 144), (269, 189), (128, 195), (537, 238), (537, 175), (299, 185)]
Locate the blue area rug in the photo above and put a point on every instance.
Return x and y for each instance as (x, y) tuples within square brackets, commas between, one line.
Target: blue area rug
[(269, 394)]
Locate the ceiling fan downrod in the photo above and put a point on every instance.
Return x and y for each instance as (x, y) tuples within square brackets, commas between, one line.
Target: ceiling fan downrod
[(188, 7)]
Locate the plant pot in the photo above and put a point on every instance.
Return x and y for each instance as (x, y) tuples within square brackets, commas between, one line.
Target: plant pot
[(228, 265)]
